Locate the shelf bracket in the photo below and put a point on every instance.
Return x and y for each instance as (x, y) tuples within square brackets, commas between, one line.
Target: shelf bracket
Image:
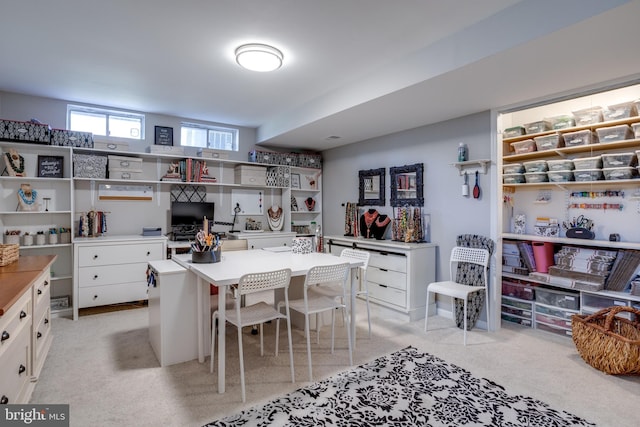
[(472, 166)]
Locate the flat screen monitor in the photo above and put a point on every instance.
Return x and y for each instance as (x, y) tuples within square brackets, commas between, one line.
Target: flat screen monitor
[(191, 214)]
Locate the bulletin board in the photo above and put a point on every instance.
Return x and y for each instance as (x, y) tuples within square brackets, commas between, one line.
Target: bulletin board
[(251, 202)]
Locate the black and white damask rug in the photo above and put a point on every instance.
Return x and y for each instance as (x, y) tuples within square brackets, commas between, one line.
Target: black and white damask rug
[(405, 388)]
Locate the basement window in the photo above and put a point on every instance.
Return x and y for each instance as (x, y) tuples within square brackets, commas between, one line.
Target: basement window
[(100, 121), (205, 136)]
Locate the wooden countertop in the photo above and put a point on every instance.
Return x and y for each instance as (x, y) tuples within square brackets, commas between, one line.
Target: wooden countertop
[(17, 277)]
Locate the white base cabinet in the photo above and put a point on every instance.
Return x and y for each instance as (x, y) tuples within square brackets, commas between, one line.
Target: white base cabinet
[(398, 273), (111, 270)]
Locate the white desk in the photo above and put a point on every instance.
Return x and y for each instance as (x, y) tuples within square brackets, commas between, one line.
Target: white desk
[(228, 272)]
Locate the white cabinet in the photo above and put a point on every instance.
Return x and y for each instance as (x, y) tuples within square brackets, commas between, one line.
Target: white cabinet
[(306, 199), (41, 337), (112, 270), (15, 351), (398, 273), (592, 141), (265, 239)]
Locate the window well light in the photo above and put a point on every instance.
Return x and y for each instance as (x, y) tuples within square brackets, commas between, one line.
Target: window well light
[(259, 57)]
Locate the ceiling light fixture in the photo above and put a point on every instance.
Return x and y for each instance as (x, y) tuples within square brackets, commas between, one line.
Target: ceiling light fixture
[(259, 57)]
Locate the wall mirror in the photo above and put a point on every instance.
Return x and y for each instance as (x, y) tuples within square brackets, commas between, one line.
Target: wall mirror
[(371, 187), (406, 185)]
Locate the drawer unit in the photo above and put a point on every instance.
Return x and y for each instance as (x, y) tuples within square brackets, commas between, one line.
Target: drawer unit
[(15, 350), (517, 311), (17, 318), (516, 319), (387, 294), (553, 329), (113, 271), (390, 278), (41, 293), (553, 321), (41, 341), (560, 299)]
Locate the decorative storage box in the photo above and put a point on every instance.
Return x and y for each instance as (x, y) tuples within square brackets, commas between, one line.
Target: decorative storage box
[(109, 144), (614, 133), (89, 166), (581, 137), (588, 116), (619, 173), (166, 149), (25, 131), (513, 178), (536, 166), (560, 165), (513, 132), (584, 175), (278, 176), (549, 142), (619, 111), (266, 157), (71, 138), (618, 160), (120, 173), (560, 176), (250, 175), (209, 153), (310, 160), (512, 168), (547, 230), (122, 167), (525, 146), (594, 162), (537, 127)]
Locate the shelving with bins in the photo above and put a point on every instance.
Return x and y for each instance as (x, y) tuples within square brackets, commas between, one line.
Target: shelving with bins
[(308, 192), (567, 200), (58, 213)]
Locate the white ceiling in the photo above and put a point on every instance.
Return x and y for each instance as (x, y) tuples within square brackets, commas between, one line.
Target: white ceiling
[(357, 69)]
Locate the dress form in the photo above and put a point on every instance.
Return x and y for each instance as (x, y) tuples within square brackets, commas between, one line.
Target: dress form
[(27, 198), (366, 223), (14, 163), (379, 227)]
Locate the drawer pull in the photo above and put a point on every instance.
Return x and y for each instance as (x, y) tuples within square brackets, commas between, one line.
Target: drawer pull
[(148, 253), (4, 400), (95, 297), (383, 286), (95, 276), (95, 257), (46, 321), (39, 291), (21, 369), (383, 269), (46, 283), (5, 336), (39, 334), (23, 314)]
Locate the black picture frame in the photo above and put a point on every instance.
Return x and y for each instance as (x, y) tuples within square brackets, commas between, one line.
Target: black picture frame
[(371, 186), (50, 166), (164, 135), (406, 185)]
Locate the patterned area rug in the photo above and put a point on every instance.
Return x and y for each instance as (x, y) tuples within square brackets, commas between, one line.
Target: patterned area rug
[(405, 388)]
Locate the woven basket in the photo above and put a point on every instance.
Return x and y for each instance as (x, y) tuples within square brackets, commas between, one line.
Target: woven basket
[(609, 343), (9, 254)]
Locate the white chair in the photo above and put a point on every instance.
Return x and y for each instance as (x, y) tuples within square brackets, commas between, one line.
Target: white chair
[(458, 290), (257, 314), (315, 303), (362, 276)]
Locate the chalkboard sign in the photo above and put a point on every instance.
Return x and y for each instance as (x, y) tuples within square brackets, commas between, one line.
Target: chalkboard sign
[(50, 166), (164, 135)]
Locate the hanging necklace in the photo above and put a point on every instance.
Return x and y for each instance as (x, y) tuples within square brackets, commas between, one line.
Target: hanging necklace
[(275, 214), (369, 218), (381, 222), (29, 200), (275, 219), (11, 158), (310, 203)]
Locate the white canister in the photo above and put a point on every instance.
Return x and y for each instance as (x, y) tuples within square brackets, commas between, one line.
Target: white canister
[(27, 240), (40, 239), (53, 239), (12, 239)]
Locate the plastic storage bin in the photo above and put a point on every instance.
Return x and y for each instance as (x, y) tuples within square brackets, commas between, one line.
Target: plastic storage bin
[(518, 290), (537, 127), (619, 111), (515, 319), (588, 116), (516, 311), (553, 329), (560, 165), (581, 137), (535, 166), (560, 176), (561, 299), (512, 168), (524, 305), (553, 321), (561, 122), (635, 127), (513, 132), (524, 146), (535, 177), (549, 142), (594, 162), (585, 175), (614, 133), (619, 173), (617, 160), (513, 178), (556, 312)]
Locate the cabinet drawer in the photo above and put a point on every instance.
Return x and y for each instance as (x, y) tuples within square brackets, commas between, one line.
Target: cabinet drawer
[(387, 294), (555, 312), (14, 321), (15, 369), (41, 293), (268, 243), (553, 321), (389, 278), (388, 261), (596, 302), (112, 294), (41, 332), (111, 274), (119, 254)]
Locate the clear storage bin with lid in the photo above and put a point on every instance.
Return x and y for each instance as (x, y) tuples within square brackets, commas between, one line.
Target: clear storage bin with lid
[(583, 163), (586, 175), (614, 133), (581, 137), (560, 165), (536, 166), (524, 146), (618, 160)]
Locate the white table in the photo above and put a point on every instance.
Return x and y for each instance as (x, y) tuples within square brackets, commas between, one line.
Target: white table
[(234, 264)]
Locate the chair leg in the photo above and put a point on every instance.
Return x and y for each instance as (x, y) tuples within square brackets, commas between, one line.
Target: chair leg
[(349, 344), (306, 330), (486, 300), (426, 312), (293, 375), (333, 328), (277, 335), (241, 354), (261, 339), (368, 313), (464, 322), (214, 329)]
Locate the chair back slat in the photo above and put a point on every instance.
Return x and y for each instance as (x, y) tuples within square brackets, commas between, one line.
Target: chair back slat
[(357, 255), (327, 274), (469, 255), (257, 282)]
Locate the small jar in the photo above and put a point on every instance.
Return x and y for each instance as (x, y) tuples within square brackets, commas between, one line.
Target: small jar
[(53, 239), (463, 154), (27, 240), (40, 239)]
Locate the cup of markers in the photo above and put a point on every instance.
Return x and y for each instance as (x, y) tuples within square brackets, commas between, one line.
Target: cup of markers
[(206, 248)]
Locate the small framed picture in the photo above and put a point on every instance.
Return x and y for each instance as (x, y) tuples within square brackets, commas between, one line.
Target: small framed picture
[(164, 135), (50, 166), (295, 180)]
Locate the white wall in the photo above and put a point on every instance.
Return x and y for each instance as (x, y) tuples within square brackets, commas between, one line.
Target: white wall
[(434, 145)]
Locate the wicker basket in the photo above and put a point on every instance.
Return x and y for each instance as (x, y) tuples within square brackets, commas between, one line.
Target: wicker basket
[(609, 343), (9, 254)]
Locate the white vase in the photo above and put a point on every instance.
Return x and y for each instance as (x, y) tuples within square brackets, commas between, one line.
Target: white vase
[(40, 239), (27, 240)]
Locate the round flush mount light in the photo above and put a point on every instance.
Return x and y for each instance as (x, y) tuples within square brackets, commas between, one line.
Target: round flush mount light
[(259, 57)]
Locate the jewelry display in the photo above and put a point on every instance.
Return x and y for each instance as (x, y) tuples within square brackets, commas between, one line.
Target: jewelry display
[(407, 225), (366, 222), (92, 224), (310, 203), (14, 162), (351, 220), (380, 225), (275, 218), (27, 199)]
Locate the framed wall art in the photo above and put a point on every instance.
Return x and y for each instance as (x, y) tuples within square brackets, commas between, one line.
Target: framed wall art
[(164, 135)]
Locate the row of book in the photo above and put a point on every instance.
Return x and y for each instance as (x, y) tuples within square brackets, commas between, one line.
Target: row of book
[(190, 170)]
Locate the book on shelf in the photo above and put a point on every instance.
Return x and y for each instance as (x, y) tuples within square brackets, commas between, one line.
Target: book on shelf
[(526, 253)]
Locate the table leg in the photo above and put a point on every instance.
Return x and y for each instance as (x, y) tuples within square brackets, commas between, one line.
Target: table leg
[(352, 309), (222, 351), (200, 313)]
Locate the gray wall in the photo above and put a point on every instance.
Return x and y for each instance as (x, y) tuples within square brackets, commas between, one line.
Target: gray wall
[(435, 146)]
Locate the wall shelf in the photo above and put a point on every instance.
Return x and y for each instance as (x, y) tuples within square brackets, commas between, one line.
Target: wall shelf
[(472, 166)]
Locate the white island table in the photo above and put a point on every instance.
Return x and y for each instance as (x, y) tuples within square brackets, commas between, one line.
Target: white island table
[(234, 264)]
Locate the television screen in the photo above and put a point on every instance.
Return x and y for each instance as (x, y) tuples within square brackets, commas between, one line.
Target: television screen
[(191, 214)]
